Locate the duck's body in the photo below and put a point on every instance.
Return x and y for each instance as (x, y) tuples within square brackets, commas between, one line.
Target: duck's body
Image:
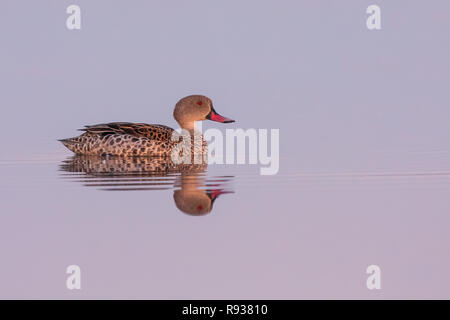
[(140, 139), (123, 139)]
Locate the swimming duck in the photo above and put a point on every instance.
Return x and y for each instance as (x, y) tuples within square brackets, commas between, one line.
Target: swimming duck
[(140, 139)]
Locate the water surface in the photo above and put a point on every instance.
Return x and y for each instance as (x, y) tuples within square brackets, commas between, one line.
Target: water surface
[(224, 231)]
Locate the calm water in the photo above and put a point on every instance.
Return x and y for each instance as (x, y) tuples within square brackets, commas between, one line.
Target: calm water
[(226, 231)]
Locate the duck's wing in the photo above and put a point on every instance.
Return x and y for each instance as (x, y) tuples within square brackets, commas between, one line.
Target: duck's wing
[(150, 131)]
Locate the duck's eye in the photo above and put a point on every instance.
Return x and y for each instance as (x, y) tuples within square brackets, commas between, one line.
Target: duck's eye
[(199, 103)]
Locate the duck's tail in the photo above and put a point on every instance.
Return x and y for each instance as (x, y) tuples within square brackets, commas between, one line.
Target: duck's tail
[(70, 143)]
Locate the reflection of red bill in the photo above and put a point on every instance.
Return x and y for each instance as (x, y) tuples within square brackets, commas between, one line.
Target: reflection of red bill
[(213, 194), (214, 116)]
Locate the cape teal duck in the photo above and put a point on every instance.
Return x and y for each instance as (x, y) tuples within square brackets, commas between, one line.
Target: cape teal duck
[(140, 139)]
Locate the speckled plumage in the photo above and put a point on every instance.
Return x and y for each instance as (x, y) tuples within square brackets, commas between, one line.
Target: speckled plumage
[(123, 139)]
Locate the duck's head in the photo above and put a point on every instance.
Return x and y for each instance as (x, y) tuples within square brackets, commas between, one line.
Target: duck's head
[(196, 108)]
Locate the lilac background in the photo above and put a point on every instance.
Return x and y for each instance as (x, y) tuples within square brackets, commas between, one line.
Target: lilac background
[(346, 100)]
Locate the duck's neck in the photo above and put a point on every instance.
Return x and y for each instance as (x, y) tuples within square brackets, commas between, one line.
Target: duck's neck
[(194, 131), (188, 125)]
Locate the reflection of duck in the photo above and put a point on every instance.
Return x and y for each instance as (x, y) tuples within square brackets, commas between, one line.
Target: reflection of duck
[(140, 139), (114, 166), (194, 198), (194, 192)]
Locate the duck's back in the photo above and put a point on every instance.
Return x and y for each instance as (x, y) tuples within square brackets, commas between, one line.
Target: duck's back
[(149, 131)]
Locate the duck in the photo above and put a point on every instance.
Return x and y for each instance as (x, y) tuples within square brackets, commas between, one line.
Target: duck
[(141, 139)]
